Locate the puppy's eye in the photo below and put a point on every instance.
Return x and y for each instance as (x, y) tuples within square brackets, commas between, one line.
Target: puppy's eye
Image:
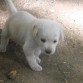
[(43, 40), (54, 41)]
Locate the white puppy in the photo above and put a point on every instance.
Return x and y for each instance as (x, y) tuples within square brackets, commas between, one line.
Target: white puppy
[(35, 35)]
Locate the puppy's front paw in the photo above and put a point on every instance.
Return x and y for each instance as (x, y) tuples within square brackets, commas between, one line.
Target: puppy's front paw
[(37, 68), (2, 48)]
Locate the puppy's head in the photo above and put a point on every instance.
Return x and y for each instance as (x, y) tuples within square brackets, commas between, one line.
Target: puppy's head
[(47, 34)]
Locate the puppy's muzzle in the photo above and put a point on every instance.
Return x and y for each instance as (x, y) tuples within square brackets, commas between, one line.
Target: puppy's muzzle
[(48, 51)]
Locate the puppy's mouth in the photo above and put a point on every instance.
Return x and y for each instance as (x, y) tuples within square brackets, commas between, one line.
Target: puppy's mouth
[(48, 52)]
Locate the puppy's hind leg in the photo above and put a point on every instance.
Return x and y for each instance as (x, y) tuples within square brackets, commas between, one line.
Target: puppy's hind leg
[(4, 39)]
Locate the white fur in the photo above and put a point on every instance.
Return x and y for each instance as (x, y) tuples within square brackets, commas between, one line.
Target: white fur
[(34, 35)]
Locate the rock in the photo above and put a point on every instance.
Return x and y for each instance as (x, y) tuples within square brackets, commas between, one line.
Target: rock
[(12, 74), (1, 81)]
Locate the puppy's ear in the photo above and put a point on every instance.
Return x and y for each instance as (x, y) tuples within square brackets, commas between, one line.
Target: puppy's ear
[(61, 33), (35, 30)]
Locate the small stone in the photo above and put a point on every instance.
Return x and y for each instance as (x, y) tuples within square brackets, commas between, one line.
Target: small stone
[(1, 81), (12, 74), (66, 72), (64, 62), (65, 80)]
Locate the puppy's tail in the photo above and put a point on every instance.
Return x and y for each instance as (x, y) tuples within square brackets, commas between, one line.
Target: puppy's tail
[(12, 9)]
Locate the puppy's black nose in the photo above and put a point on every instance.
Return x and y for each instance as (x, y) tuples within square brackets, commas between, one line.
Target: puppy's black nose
[(48, 51)]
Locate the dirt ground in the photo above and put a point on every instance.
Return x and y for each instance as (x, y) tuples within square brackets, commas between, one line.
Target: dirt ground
[(66, 65)]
